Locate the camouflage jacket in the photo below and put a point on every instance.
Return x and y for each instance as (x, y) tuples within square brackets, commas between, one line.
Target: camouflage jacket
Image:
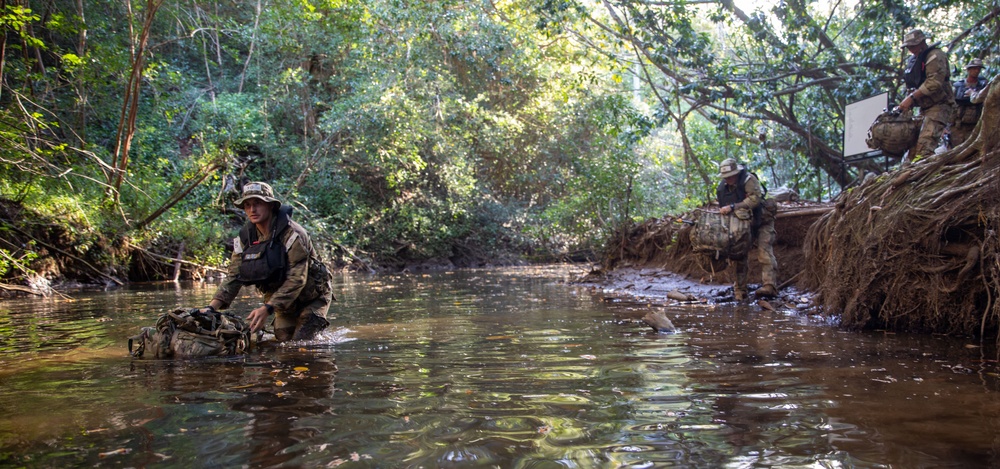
[(731, 194), (936, 87), (296, 290)]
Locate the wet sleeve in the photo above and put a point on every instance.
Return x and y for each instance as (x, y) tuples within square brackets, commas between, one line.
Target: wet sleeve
[(755, 195), (230, 287), (298, 274), (936, 75)]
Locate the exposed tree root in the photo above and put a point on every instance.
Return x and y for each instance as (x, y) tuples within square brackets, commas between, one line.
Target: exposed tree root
[(917, 249)]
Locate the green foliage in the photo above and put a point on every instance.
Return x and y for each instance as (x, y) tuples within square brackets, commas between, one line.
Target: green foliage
[(790, 68), (17, 262), (433, 129), (599, 182)]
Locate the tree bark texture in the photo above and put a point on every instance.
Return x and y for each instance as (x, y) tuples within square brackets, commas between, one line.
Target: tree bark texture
[(917, 248)]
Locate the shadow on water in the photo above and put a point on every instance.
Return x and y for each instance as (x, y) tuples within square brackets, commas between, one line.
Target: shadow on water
[(494, 368)]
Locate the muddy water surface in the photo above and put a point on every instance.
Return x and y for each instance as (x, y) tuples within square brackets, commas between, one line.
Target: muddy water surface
[(500, 368)]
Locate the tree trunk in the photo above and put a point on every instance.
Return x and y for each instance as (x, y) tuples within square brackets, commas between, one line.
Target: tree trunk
[(130, 103)]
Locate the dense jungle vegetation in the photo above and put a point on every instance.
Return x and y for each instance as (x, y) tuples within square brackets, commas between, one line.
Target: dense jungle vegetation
[(405, 132)]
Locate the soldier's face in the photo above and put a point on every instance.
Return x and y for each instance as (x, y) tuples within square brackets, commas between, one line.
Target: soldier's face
[(974, 72), (731, 180), (258, 211)]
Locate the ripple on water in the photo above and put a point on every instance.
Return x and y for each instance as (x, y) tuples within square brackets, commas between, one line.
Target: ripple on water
[(489, 369)]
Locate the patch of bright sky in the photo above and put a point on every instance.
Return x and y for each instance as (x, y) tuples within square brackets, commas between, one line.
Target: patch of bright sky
[(750, 6)]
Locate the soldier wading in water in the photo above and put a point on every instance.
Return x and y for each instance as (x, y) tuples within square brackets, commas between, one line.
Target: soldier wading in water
[(276, 255), (741, 192)]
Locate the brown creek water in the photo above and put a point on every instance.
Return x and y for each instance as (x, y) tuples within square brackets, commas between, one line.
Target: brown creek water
[(507, 368)]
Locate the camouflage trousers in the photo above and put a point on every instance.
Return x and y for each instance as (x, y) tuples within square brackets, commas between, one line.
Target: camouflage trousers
[(290, 319), (307, 314), (764, 245), (936, 119)]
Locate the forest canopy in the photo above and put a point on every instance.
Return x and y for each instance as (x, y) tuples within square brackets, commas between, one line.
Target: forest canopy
[(402, 132)]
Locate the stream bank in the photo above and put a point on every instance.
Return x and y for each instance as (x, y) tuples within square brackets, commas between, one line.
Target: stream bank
[(654, 258)]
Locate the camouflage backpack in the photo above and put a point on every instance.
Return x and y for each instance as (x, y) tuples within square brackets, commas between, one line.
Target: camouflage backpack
[(894, 132), (722, 236), (189, 333)]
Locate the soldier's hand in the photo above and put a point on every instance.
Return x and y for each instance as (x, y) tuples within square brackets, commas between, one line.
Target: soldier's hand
[(257, 318), (726, 209), (906, 104)]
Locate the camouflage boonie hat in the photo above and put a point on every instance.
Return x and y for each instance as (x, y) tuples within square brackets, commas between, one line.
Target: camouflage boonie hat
[(257, 190), (728, 167), (974, 64), (913, 38)]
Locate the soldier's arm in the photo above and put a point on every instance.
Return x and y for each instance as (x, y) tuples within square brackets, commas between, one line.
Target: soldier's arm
[(979, 96), (298, 273), (230, 287), (936, 74), (755, 195)]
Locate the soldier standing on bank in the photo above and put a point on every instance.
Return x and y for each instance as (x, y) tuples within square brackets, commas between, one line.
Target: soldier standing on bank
[(928, 82), (740, 190), (970, 107)]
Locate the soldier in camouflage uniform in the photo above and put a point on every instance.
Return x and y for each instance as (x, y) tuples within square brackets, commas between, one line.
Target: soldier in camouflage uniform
[(968, 94), (276, 255), (741, 193), (928, 81)]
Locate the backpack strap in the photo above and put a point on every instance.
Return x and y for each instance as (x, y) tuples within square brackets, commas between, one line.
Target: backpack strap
[(142, 344), (291, 240), (763, 187)]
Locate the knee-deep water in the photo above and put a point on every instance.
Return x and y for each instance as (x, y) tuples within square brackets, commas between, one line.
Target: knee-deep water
[(508, 368)]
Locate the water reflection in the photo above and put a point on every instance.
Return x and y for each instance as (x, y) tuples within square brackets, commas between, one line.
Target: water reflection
[(504, 368)]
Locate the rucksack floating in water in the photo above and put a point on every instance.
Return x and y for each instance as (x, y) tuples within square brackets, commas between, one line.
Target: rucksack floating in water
[(191, 333)]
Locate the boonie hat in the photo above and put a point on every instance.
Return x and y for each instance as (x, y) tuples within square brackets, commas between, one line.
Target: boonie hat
[(728, 168), (975, 63), (913, 38), (257, 190)]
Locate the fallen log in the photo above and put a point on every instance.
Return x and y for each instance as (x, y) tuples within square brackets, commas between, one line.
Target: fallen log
[(22, 289), (170, 261), (803, 212), (676, 295)]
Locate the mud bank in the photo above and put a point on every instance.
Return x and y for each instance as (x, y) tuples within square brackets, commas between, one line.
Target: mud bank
[(655, 258), (652, 283), (661, 287)]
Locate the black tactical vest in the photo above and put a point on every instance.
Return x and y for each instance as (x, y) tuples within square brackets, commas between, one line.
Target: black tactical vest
[(968, 112), (962, 86), (728, 196), (916, 66), (265, 263)]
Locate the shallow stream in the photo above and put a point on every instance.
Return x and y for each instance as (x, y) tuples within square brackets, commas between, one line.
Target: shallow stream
[(508, 368)]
